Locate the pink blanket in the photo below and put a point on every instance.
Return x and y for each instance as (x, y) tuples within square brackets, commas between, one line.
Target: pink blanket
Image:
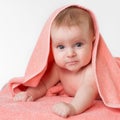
[(105, 67)]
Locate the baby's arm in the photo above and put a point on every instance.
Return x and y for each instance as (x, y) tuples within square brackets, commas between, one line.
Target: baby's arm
[(83, 99), (32, 93)]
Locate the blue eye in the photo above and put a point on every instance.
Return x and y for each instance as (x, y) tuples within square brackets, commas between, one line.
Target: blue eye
[(60, 47), (79, 44)]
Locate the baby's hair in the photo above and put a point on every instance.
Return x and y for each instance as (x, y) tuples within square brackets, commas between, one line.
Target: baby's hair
[(73, 16)]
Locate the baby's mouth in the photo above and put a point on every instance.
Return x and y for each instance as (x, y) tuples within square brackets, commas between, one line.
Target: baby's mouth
[(72, 62)]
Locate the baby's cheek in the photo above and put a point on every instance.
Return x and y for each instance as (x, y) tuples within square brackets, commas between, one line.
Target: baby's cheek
[(59, 59)]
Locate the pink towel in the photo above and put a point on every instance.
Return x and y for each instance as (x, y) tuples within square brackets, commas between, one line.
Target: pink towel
[(106, 69)]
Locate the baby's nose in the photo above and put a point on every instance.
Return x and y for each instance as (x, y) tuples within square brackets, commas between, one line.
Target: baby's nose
[(71, 52)]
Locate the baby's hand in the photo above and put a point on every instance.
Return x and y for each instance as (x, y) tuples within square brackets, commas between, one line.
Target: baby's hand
[(22, 97), (63, 109)]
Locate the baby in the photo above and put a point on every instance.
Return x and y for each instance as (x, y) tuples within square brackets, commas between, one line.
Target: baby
[(72, 39)]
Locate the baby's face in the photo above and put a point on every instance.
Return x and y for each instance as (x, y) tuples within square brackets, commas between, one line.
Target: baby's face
[(71, 46)]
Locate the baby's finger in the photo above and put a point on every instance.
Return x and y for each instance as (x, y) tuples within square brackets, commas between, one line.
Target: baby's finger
[(20, 97), (30, 98), (17, 98)]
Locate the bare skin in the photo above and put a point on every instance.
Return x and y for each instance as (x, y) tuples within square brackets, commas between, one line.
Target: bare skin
[(72, 68)]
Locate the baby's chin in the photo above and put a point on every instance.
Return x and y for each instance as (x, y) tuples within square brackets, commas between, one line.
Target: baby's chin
[(70, 68), (73, 69)]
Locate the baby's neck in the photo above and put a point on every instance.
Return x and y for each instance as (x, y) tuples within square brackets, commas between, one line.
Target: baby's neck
[(65, 71)]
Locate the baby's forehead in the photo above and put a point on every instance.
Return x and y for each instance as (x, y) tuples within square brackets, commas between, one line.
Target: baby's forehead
[(64, 29), (83, 25), (65, 34)]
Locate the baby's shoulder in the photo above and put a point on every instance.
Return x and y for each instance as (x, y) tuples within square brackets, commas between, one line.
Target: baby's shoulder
[(89, 73)]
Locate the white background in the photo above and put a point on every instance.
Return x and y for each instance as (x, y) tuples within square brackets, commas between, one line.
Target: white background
[(21, 22)]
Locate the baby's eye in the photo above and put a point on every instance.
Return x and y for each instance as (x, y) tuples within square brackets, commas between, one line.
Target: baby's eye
[(60, 47), (79, 44)]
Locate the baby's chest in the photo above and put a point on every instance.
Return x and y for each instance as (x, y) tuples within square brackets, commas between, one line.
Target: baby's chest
[(71, 85)]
